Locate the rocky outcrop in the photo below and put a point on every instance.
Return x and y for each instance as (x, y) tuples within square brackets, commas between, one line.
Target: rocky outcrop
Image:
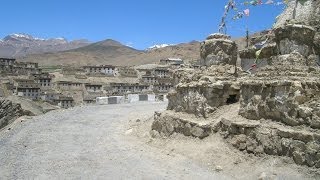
[(201, 92), (9, 112)]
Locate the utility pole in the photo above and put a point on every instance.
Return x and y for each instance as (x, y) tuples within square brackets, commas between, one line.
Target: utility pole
[(247, 37)]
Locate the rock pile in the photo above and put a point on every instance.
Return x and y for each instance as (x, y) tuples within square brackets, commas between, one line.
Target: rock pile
[(8, 112)]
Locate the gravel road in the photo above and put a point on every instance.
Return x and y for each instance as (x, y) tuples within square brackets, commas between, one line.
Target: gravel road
[(90, 143)]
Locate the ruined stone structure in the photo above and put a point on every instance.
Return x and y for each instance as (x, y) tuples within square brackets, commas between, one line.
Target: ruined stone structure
[(279, 103), (202, 92), (218, 49)]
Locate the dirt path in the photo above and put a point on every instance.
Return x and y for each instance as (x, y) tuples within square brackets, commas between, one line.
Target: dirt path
[(90, 143)]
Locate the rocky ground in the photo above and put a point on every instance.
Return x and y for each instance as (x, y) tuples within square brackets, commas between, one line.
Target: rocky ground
[(113, 141), (217, 155), (91, 143)]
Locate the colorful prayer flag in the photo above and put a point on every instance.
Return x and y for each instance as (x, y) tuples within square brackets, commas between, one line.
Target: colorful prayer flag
[(246, 12)]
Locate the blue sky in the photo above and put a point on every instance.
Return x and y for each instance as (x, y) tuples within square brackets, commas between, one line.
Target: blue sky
[(140, 23)]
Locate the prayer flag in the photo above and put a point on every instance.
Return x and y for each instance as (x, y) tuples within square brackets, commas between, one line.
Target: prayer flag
[(246, 12)]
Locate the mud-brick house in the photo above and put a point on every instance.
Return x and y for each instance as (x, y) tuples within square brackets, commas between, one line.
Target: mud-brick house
[(127, 71), (22, 70), (44, 79), (50, 95), (107, 70), (89, 100), (72, 71), (26, 88), (149, 79), (162, 72), (27, 64), (163, 88), (5, 68), (7, 61), (69, 86), (64, 102), (121, 88), (93, 88)]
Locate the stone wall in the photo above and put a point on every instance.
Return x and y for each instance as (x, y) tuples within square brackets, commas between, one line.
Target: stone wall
[(290, 102), (201, 98), (273, 139)]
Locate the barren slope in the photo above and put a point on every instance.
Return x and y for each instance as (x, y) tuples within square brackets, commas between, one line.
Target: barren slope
[(112, 52)]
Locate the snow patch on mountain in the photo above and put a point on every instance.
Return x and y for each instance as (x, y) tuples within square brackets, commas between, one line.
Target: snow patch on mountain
[(158, 46), (25, 36)]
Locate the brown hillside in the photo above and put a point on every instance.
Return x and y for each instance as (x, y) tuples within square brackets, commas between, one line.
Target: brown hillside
[(113, 52)]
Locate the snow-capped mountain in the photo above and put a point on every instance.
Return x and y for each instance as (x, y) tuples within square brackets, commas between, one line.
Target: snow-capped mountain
[(20, 44), (157, 46)]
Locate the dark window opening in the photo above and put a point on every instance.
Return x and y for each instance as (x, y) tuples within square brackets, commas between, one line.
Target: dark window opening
[(232, 99)]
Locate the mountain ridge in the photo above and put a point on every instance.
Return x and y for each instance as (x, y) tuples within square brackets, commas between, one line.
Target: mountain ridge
[(21, 44)]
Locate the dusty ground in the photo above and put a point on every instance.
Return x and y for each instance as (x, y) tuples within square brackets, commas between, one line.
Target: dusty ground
[(90, 143), (113, 142), (219, 156)]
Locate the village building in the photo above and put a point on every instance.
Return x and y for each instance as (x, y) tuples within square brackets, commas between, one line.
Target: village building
[(44, 79), (73, 71), (149, 79), (93, 88), (107, 70), (64, 102), (7, 61), (162, 72), (121, 88), (69, 86), (165, 80), (89, 100), (5, 68), (26, 88), (26, 64), (171, 61), (20, 70), (163, 88), (127, 72), (50, 95)]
